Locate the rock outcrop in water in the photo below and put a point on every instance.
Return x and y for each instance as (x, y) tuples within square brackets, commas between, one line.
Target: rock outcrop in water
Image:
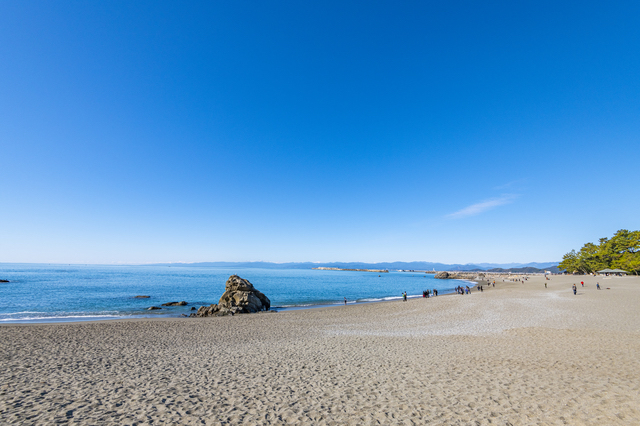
[(239, 297), (183, 303), (444, 275)]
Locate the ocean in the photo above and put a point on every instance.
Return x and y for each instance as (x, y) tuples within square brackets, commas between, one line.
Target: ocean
[(63, 293)]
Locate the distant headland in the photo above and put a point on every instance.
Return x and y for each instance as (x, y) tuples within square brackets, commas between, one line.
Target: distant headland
[(389, 266), (323, 268)]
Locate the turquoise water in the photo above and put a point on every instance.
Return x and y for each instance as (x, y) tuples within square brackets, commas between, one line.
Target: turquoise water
[(52, 293)]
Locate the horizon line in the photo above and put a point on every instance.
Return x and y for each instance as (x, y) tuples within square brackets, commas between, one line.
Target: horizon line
[(263, 261)]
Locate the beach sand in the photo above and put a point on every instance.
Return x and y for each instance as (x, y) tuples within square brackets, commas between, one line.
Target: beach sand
[(514, 354)]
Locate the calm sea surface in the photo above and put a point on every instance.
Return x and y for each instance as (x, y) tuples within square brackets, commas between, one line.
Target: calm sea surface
[(52, 293)]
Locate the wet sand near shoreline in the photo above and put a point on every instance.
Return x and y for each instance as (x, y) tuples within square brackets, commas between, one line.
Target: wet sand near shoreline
[(513, 354)]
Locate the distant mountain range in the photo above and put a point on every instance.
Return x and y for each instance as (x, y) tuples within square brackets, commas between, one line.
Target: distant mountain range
[(421, 266)]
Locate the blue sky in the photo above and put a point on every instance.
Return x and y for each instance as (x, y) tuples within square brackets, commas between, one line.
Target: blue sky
[(330, 131)]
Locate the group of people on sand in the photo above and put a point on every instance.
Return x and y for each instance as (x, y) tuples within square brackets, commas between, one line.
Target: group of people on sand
[(574, 287), (430, 293), (466, 290), (459, 290), (463, 290)]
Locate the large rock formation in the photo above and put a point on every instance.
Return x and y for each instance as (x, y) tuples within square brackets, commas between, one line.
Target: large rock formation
[(444, 275), (239, 297)]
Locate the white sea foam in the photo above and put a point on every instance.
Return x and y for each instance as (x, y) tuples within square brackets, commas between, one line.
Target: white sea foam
[(387, 299), (63, 317)]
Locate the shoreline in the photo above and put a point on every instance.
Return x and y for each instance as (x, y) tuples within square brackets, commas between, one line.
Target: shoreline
[(275, 309), (134, 315)]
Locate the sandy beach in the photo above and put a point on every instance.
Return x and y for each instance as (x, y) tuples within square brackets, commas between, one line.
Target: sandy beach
[(518, 354)]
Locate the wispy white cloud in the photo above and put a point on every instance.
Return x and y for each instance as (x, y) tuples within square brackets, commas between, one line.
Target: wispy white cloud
[(476, 209), (510, 185)]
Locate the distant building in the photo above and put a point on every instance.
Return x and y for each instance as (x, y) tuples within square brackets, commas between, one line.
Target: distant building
[(618, 272)]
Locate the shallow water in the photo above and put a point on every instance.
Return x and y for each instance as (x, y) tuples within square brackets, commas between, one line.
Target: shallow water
[(53, 293)]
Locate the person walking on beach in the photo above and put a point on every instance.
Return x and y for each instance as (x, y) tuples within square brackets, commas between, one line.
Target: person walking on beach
[(404, 296), (598, 286), (345, 301), (545, 284), (575, 289), (582, 282)]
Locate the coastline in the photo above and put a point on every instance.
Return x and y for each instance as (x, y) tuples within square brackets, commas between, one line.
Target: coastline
[(75, 312), (160, 316), (518, 353), (83, 293), (88, 317)]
